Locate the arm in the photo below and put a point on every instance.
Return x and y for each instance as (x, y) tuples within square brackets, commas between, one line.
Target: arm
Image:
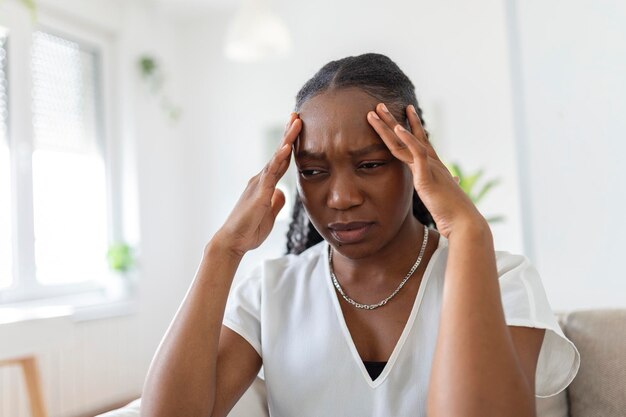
[(481, 367), (183, 376), (202, 368)]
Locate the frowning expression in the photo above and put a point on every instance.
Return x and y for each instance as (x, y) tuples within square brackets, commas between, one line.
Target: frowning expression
[(357, 195)]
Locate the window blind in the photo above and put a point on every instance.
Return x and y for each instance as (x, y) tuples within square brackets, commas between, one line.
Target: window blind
[(69, 182)]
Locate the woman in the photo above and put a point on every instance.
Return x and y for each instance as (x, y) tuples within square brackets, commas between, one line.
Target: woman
[(374, 313)]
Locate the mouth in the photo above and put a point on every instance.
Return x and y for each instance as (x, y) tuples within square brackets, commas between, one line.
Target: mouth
[(351, 232)]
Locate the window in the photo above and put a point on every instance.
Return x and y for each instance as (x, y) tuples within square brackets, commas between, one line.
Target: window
[(6, 252), (56, 190), (69, 179)]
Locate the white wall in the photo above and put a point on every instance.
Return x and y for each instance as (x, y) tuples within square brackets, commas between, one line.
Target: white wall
[(573, 66), (459, 67)]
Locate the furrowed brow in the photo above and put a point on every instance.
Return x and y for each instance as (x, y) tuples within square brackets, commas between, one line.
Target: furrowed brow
[(369, 149), (303, 153)]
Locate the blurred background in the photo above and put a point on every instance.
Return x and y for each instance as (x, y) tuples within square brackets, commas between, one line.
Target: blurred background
[(129, 128)]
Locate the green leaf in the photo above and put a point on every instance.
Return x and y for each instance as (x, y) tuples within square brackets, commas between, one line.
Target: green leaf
[(147, 66), (471, 181), (458, 172), (485, 190), (120, 257), (495, 219)]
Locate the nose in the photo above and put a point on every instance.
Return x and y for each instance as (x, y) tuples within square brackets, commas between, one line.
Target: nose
[(344, 193)]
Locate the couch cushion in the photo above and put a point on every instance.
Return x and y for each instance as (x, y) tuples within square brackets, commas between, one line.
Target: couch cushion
[(599, 389)]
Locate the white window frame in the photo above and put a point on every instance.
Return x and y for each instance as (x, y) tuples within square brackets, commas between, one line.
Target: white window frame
[(21, 27)]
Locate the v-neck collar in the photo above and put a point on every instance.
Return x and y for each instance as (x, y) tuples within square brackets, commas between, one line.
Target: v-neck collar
[(407, 327)]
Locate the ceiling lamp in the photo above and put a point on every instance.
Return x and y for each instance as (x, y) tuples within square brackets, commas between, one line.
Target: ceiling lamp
[(255, 33)]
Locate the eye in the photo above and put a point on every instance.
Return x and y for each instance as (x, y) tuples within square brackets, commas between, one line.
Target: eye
[(371, 165), (311, 173)]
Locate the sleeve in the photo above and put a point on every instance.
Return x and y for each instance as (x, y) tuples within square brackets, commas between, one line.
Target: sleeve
[(243, 309), (526, 304)]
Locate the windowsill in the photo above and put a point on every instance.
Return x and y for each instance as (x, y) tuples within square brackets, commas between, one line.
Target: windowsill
[(81, 307)]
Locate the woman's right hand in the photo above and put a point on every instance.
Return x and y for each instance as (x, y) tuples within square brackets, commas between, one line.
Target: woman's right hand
[(252, 218)]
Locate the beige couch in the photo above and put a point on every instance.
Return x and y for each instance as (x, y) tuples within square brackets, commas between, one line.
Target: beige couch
[(599, 389)]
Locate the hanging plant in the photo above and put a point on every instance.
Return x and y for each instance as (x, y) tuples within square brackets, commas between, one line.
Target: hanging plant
[(154, 78)]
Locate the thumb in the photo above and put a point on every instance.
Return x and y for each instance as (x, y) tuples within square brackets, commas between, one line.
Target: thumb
[(278, 201)]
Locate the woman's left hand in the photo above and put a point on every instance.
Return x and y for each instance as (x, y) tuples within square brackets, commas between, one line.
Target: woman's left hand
[(448, 204)]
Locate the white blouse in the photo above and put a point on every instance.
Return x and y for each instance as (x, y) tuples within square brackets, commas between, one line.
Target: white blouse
[(288, 310)]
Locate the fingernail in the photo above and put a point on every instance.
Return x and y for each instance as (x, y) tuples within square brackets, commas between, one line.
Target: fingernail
[(374, 115), (400, 128), (413, 108), (382, 106)]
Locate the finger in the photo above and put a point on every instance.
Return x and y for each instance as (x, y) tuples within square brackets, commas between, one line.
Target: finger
[(421, 167), (386, 116), (278, 202), (280, 158), (292, 132), (285, 147), (282, 168), (292, 117), (418, 131), (390, 121), (395, 145), (274, 170)]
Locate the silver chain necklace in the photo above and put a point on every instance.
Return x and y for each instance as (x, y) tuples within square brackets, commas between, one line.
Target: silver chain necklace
[(382, 303)]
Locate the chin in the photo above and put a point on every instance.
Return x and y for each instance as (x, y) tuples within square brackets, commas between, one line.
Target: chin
[(355, 251)]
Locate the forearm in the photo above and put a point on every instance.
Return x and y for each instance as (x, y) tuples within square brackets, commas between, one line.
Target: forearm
[(181, 379), (475, 369)]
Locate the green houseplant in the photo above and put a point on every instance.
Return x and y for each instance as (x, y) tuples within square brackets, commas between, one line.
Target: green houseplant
[(120, 257), (469, 183)]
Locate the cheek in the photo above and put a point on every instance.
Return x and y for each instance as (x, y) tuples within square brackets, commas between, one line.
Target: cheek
[(400, 190), (305, 192), (301, 189)]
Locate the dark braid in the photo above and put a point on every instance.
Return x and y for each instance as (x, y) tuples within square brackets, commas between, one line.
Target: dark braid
[(379, 77)]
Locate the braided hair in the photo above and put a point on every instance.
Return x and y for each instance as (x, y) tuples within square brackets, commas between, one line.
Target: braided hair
[(378, 76)]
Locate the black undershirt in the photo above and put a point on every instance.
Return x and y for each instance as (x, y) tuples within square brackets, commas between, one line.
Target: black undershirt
[(374, 368)]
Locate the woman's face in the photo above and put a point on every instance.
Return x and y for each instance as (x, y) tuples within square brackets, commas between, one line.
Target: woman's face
[(357, 195)]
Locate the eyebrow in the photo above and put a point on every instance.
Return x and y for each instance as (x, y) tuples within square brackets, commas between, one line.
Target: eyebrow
[(355, 153)]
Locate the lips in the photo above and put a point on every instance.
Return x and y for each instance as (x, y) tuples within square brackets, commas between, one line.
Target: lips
[(351, 232)]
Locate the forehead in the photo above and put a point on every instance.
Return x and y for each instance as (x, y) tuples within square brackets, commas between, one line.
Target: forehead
[(337, 118)]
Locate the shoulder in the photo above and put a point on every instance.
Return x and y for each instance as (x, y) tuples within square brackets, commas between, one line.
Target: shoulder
[(291, 267)]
